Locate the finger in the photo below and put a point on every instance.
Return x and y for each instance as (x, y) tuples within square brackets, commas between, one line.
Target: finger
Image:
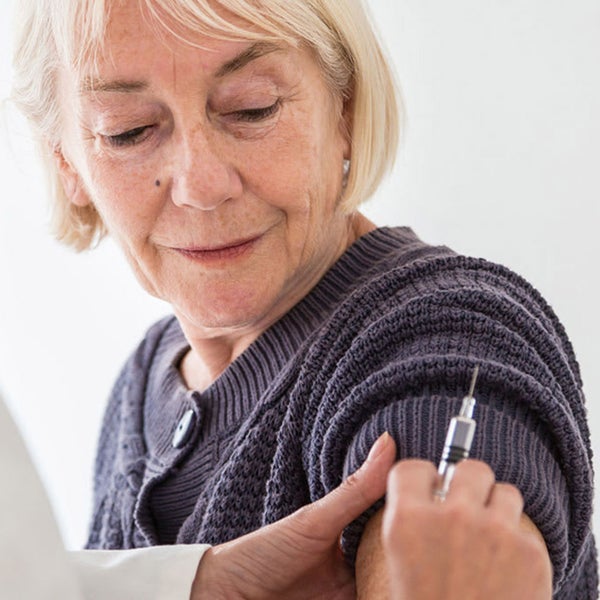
[(507, 501), (355, 494), (473, 481), (412, 479)]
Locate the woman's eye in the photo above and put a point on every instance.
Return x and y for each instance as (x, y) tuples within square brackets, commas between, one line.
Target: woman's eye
[(129, 137), (252, 115)]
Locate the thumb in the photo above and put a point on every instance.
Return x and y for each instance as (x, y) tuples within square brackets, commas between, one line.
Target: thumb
[(354, 495)]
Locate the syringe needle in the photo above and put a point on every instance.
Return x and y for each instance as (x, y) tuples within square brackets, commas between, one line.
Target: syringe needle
[(473, 381)]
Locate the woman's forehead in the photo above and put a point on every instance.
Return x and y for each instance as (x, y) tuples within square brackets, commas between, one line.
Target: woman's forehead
[(134, 29)]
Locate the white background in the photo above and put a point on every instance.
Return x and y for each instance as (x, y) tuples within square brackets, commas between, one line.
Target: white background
[(500, 159)]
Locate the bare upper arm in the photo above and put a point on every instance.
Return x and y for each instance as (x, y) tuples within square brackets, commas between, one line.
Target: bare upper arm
[(371, 570)]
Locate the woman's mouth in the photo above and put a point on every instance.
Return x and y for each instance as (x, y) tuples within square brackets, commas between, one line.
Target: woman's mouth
[(220, 252)]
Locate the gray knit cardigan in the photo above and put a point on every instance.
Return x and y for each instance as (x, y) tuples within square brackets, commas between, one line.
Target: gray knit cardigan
[(387, 340)]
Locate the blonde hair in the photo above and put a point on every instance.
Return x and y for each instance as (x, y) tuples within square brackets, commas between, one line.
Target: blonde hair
[(52, 34)]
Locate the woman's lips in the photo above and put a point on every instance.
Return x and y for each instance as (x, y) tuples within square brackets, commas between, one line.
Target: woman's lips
[(219, 253)]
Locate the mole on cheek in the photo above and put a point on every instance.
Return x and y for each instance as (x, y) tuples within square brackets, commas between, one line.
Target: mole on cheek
[(157, 183)]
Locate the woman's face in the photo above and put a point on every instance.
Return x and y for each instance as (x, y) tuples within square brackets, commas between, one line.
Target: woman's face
[(217, 169)]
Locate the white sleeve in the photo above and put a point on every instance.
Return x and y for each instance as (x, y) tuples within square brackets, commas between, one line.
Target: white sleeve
[(32, 557), (155, 573)]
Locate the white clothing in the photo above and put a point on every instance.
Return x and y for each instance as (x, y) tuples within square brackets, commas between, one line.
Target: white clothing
[(34, 564)]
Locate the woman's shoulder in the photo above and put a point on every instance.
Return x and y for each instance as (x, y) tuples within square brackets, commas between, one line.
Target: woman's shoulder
[(436, 302), (161, 341), (134, 378), (399, 270), (160, 337), (398, 254)]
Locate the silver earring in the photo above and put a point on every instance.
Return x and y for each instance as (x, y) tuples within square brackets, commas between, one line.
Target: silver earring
[(345, 171)]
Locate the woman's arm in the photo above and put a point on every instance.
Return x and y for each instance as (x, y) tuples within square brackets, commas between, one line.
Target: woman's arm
[(406, 369)]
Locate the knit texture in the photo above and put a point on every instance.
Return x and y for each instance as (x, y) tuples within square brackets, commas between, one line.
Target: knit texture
[(387, 340)]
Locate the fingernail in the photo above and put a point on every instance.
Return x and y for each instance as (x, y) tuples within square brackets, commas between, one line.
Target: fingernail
[(379, 446)]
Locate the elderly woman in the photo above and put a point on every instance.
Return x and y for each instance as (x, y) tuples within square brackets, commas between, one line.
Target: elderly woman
[(226, 145)]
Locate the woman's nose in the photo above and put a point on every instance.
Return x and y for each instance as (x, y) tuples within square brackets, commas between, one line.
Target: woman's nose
[(203, 177)]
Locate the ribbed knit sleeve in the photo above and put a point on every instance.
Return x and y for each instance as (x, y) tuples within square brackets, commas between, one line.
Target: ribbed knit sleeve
[(398, 356)]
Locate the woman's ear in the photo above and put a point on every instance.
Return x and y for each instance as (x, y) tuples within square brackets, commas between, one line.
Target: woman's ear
[(71, 180)]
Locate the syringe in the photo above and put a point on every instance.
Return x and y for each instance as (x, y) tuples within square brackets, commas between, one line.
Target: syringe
[(458, 439)]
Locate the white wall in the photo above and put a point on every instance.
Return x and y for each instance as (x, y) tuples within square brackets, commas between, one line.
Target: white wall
[(500, 160)]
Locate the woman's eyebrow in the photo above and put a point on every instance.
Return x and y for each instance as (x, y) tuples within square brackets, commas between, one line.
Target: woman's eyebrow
[(93, 85), (248, 55)]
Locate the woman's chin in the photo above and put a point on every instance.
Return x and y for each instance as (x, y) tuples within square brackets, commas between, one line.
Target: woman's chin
[(226, 313)]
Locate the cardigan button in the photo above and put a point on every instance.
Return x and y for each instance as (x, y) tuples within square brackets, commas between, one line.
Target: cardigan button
[(184, 429)]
